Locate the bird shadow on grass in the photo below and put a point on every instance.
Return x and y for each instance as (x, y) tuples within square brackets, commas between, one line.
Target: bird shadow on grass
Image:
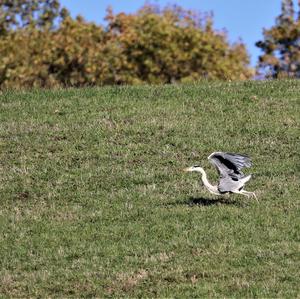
[(202, 201)]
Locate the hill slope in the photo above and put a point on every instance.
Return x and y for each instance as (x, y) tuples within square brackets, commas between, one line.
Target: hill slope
[(94, 203)]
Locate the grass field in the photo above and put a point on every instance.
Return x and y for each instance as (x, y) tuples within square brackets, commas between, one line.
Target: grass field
[(94, 202)]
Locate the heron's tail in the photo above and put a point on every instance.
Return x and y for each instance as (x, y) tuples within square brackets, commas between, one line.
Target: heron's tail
[(246, 178)]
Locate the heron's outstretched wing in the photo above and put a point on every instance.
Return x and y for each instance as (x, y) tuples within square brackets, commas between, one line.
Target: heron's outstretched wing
[(230, 164)]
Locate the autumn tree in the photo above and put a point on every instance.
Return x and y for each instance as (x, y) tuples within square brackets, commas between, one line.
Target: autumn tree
[(281, 44), (75, 54), (16, 14), (25, 27), (174, 45), (42, 46)]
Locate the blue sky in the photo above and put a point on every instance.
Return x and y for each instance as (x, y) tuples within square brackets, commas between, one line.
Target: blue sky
[(243, 19)]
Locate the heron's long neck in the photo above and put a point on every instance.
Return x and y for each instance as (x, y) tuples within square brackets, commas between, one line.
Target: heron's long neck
[(206, 183)]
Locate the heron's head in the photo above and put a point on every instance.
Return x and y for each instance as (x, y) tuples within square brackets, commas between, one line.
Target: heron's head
[(196, 168)]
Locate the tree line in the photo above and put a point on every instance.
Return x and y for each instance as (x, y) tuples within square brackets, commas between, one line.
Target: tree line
[(41, 45)]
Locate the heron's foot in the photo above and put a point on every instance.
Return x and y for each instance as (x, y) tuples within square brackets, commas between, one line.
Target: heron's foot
[(254, 195), (249, 194)]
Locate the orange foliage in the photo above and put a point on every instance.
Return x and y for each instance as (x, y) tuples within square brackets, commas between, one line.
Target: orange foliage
[(150, 46)]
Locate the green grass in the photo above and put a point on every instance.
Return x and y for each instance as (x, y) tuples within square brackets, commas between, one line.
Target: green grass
[(94, 202)]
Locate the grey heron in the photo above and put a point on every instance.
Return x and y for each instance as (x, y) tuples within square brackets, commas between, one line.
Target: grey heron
[(232, 179)]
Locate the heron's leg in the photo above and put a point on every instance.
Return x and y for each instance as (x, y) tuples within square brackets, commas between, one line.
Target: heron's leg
[(248, 194), (243, 193), (254, 195)]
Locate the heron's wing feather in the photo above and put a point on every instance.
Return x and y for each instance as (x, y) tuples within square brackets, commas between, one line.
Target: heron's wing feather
[(230, 164), (227, 184), (223, 171)]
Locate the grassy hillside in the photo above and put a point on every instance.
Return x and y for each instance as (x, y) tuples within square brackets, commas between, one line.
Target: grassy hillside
[(94, 202)]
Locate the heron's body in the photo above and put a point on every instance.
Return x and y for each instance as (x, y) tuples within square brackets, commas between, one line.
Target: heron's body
[(231, 179)]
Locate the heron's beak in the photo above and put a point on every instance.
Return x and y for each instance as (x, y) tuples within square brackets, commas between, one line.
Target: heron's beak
[(187, 169)]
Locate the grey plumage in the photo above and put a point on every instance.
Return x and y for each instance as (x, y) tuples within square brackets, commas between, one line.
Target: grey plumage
[(229, 166), (231, 177)]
